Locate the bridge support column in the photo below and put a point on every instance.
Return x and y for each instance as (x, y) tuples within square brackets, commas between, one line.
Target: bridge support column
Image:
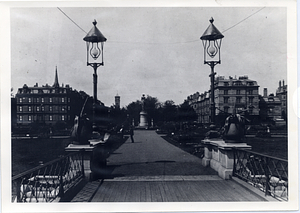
[(219, 155)]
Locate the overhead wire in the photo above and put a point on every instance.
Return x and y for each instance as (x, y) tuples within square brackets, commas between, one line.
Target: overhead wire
[(168, 42)]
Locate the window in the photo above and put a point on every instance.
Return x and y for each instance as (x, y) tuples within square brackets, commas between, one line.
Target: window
[(250, 92), (50, 118), (30, 118), (62, 117), (238, 100), (50, 108), (251, 100), (63, 100), (69, 100), (226, 109), (226, 99), (63, 109), (20, 100), (21, 109), (226, 84), (238, 92), (226, 92), (69, 108), (38, 100), (29, 108), (21, 118), (37, 108), (43, 109), (29, 100), (250, 111), (238, 83), (43, 100), (50, 100)]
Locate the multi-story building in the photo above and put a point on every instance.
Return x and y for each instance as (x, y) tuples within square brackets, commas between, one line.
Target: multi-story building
[(270, 107), (47, 104), (281, 93), (231, 95)]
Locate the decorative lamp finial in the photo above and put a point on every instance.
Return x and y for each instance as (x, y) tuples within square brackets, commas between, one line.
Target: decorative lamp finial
[(211, 20), (95, 22)]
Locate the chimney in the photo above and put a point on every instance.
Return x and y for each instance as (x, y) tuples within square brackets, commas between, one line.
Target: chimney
[(279, 84), (265, 92), (283, 83)]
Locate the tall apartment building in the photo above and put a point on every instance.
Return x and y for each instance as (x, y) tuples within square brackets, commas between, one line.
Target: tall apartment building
[(47, 104), (281, 93), (231, 95)]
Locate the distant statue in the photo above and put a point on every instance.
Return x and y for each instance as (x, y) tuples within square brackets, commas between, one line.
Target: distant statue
[(234, 128), (143, 102)]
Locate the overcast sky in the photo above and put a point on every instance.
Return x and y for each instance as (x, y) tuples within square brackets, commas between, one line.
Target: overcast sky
[(152, 51)]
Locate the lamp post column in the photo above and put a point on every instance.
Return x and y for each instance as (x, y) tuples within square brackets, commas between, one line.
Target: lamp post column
[(95, 81), (212, 93)]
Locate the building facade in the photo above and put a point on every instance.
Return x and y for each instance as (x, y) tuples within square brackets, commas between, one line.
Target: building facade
[(231, 95), (47, 104), (281, 93)]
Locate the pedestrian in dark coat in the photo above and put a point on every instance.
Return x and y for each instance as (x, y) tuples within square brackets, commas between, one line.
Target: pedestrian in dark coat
[(131, 134)]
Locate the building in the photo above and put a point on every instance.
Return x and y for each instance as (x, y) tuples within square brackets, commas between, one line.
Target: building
[(231, 95), (270, 107), (281, 93), (47, 104)]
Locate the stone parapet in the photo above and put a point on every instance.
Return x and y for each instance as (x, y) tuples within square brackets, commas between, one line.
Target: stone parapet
[(219, 155)]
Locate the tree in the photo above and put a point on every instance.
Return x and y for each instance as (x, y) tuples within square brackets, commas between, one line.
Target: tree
[(169, 111), (186, 113)]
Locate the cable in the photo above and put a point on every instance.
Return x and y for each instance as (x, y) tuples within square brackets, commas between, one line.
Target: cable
[(164, 43), (71, 19), (243, 20)]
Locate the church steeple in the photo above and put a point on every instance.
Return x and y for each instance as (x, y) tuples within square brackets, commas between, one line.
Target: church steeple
[(56, 84)]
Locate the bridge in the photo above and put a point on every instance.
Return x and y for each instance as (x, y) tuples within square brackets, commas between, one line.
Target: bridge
[(153, 170)]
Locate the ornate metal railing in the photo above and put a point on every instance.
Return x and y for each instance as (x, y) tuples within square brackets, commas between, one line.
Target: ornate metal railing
[(48, 182), (267, 173)]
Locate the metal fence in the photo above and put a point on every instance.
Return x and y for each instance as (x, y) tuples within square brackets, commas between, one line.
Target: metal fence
[(48, 182), (267, 173)]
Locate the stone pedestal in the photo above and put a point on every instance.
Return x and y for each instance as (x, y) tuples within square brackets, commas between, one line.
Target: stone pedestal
[(143, 119), (89, 151), (219, 155)]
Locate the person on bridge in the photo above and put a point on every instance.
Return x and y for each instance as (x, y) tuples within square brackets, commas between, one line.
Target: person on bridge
[(131, 134)]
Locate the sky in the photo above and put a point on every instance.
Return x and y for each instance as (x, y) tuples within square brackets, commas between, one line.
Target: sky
[(154, 51)]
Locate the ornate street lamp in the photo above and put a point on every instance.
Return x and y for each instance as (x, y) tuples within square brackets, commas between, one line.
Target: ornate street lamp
[(211, 40), (93, 39)]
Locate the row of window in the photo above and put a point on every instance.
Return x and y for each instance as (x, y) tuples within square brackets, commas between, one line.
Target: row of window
[(239, 92), (41, 91), (43, 108), (45, 118), (239, 83), (42, 100)]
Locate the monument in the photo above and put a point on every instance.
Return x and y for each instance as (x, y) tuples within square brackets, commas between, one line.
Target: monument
[(143, 114)]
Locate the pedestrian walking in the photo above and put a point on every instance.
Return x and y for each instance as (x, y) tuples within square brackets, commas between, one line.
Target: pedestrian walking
[(131, 134)]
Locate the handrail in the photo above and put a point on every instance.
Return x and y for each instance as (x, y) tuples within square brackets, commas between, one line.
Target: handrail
[(50, 181), (269, 174)]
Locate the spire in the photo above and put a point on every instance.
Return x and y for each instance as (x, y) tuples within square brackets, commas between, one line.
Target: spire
[(56, 84)]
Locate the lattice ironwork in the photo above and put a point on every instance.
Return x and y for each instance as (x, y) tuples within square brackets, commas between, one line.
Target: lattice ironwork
[(267, 173), (48, 182)]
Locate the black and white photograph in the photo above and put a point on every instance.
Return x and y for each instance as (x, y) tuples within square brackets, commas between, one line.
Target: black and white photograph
[(140, 106)]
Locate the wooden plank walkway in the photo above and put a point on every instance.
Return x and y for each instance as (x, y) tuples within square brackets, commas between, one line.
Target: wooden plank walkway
[(202, 188)]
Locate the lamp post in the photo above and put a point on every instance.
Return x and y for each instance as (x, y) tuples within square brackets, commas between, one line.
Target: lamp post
[(211, 40), (93, 38)]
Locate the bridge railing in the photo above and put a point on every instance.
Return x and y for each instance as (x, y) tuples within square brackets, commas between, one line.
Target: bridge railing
[(269, 174), (48, 182)]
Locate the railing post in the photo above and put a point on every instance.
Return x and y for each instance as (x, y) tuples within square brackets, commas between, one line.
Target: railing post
[(18, 183), (234, 163), (61, 181), (267, 177), (82, 163)]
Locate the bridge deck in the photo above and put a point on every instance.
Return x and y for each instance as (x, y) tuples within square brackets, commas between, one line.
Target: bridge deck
[(166, 189), (152, 170)]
